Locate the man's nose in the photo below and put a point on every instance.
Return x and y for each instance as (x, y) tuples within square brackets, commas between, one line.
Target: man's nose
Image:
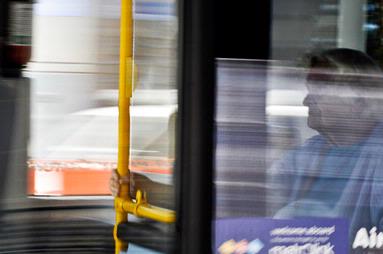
[(308, 100)]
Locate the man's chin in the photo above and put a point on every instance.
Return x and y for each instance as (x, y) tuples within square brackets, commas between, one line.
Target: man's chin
[(313, 123)]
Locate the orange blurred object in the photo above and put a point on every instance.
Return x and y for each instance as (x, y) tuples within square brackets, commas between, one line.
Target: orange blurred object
[(83, 177)]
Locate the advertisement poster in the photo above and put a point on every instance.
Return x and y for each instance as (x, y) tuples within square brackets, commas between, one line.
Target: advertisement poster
[(290, 236)]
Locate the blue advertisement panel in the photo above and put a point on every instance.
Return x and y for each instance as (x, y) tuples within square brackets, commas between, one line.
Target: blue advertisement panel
[(272, 236)]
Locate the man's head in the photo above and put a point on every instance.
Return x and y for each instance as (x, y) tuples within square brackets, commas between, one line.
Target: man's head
[(343, 91)]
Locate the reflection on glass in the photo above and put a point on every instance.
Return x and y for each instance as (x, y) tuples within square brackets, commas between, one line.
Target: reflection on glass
[(307, 145)]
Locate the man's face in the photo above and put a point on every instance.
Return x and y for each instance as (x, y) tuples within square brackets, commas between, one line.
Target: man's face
[(333, 104)]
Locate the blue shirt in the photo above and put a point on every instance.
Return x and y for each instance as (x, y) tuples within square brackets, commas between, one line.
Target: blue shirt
[(322, 180)]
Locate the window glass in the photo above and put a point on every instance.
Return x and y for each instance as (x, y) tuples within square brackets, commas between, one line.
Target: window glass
[(74, 95)]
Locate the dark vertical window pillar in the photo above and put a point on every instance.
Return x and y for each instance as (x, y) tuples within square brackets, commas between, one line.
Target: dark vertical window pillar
[(208, 29), (194, 169)]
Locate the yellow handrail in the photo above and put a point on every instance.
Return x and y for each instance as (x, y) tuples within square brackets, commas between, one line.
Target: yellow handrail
[(125, 92), (123, 203)]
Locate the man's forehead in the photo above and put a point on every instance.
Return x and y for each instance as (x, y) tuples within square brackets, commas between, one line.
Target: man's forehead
[(334, 89), (325, 74), (332, 81), (326, 78)]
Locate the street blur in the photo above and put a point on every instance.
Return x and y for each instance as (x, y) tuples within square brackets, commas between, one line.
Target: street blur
[(64, 144)]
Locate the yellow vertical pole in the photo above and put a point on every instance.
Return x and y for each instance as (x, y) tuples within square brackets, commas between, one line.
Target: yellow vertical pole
[(125, 92)]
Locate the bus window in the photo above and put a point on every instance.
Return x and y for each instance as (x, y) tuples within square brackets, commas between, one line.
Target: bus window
[(74, 96), (298, 134)]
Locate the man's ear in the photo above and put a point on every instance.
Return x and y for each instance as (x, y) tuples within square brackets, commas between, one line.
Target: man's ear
[(373, 109), (368, 108), (360, 106)]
